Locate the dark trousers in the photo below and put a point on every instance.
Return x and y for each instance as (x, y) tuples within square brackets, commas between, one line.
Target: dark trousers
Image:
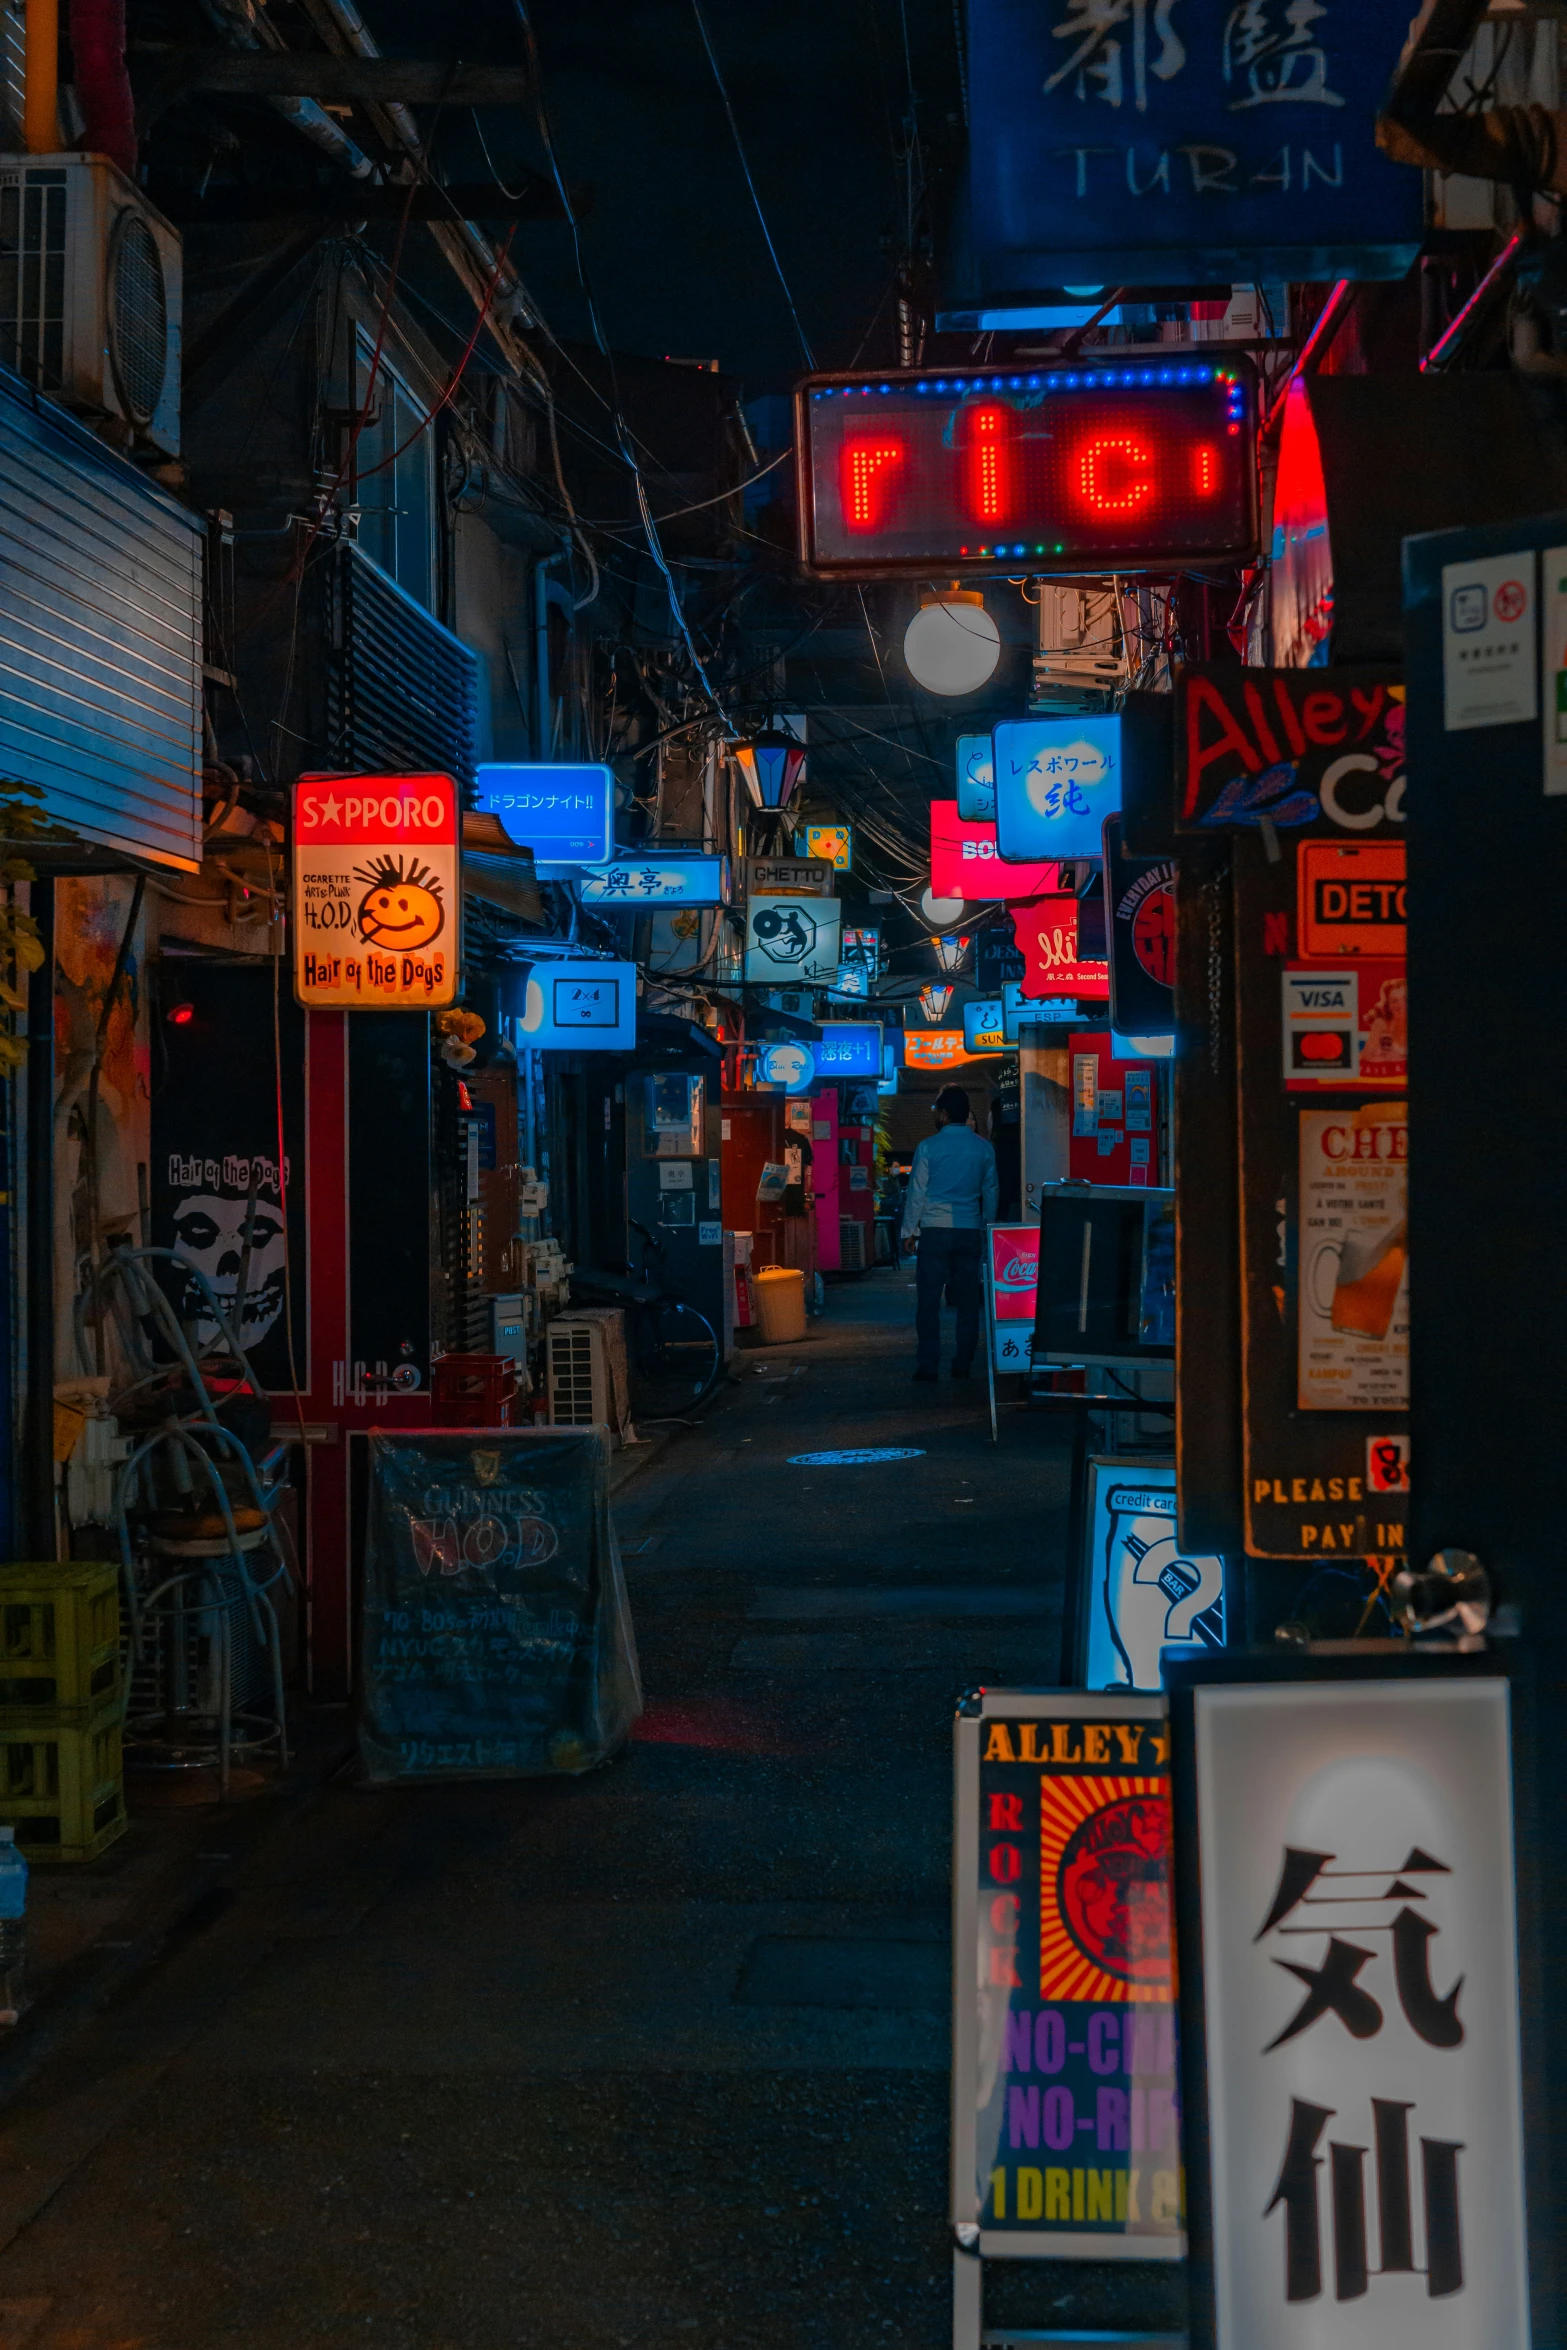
[(947, 1261)]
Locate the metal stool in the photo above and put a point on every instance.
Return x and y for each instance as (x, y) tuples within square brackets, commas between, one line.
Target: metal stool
[(189, 1621)]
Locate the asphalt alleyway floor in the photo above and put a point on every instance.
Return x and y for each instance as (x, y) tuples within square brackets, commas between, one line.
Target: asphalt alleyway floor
[(652, 2057)]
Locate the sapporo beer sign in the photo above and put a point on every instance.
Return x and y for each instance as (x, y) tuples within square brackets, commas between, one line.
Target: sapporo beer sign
[(1351, 1995), (1066, 2128), (377, 896)]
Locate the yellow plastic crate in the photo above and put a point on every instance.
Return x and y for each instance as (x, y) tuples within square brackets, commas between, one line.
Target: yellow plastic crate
[(61, 1788), (59, 1639)]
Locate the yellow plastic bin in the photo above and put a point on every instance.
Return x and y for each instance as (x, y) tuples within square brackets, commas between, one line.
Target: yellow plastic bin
[(779, 1291)]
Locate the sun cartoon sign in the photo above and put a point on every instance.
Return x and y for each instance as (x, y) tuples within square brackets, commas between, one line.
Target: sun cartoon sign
[(377, 896)]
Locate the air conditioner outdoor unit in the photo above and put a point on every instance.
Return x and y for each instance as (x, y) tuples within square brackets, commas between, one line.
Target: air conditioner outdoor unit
[(578, 1360), (851, 1244), (90, 294)]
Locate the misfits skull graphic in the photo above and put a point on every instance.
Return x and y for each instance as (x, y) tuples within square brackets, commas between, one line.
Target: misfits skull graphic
[(210, 1231)]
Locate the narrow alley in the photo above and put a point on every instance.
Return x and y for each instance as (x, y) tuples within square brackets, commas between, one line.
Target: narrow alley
[(654, 2055)]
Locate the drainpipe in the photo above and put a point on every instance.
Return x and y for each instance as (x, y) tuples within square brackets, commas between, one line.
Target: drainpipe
[(41, 90), (103, 84)]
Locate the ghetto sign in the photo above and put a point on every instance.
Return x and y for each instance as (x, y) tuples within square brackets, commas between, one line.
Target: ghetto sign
[(377, 893)]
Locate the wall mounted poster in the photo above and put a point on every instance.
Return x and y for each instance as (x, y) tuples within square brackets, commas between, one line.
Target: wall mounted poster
[(1352, 1303), (1350, 2006), (1142, 1591), (1066, 2139)]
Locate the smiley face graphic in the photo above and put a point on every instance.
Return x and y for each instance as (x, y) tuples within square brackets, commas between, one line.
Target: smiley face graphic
[(402, 907)]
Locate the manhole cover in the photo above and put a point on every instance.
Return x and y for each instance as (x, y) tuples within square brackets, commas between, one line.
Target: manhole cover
[(847, 1460)]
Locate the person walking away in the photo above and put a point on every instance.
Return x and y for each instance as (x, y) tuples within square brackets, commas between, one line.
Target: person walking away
[(951, 1198)]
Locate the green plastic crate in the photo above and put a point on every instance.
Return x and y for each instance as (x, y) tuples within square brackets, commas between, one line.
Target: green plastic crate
[(61, 1786), (59, 1639)]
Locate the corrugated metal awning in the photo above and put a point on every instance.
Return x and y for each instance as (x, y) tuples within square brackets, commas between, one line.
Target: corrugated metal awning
[(100, 637)]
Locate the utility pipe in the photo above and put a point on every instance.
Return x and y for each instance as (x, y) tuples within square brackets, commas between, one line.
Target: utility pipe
[(240, 22), (41, 90), (103, 82)]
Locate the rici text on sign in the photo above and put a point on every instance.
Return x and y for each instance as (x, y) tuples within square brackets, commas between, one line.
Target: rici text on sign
[(377, 892)]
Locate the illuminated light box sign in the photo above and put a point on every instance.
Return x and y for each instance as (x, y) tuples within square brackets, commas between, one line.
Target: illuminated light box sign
[(658, 881), (1056, 780), (935, 1048), (834, 843), (1012, 1286), (1020, 1011), (580, 1007), (377, 892), (791, 1066), (849, 1048), (1066, 2103), (976, 779), (966, 863), (1105, 464), (985, 1026), (792, 941), (562, 813), (1047, 935)]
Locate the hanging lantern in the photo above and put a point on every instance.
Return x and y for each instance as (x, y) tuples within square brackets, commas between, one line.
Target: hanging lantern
[(770, 762), (934, 1000), (950, 949)]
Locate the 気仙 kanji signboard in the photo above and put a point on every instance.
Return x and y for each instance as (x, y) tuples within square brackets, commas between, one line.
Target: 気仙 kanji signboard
[(377, 892), (1350, 2005), (1066, 2127), (1162, 142)]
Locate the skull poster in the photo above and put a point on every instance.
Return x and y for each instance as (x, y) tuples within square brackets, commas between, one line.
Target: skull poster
[(214, 1127)]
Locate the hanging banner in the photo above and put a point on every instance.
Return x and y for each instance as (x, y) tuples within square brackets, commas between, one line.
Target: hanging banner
[(1066, 2134), (1140, 922), (376, 908), (1350, 2005), (966, 863)]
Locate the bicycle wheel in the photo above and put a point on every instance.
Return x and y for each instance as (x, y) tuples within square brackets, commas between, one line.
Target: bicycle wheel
[(679, 1361)]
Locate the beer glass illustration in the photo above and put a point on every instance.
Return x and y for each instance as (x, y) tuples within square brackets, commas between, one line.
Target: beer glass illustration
[(1355, 1279)]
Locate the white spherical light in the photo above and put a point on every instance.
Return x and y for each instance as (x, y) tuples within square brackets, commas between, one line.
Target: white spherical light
[(940, 910), (952, 646)]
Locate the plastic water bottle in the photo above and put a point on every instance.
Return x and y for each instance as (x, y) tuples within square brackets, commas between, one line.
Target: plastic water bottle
[(13, 1924)]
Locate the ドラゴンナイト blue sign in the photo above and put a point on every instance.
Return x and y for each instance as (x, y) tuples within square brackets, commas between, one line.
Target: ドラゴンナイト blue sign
[(563, 814)]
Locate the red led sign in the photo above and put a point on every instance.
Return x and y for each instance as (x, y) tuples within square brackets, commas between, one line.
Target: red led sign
[(1067, 468)]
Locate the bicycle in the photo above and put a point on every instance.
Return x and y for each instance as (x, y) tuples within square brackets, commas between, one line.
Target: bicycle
[(673, 1352)]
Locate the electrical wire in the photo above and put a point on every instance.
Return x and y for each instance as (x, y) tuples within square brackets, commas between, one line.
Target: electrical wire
[(756, 201)]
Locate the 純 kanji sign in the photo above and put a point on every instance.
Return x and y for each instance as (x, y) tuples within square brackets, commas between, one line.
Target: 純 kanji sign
[(377, 892), (1350, 2004)]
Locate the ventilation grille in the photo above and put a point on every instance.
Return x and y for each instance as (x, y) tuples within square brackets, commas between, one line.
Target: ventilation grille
[(402, 691), (851, 1244), (138, 316), (579, 1386), (32, 277)]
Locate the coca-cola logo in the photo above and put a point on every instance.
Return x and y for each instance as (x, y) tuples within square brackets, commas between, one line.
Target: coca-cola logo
[(1017, 1273)]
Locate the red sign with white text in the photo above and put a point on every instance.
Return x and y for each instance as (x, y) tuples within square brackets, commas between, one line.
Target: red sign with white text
[(965, 862), (1047, 940), (377, 897)]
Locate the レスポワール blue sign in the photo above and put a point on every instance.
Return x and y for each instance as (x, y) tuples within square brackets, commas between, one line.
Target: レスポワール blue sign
[(563, 814), (657, 881), (976, 779), (1165, 142), (849, 1048), (1057, 779)]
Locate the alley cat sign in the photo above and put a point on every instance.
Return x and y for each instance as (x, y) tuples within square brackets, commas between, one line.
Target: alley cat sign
[(377, 892)]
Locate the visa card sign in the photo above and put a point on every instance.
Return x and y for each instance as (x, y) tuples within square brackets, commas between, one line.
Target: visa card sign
[(1057, 779)]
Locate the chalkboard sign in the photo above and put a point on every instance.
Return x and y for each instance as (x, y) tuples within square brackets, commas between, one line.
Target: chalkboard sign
[(1066, 2134), (496, 1637)]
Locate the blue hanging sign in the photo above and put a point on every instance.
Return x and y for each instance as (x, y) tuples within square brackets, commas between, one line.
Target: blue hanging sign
[(849, 1048), (1176, 142), (976, 779), (657, 881), (580, 1006), (1057, 779), (789, 1067), (564, 814), (985, 1026)]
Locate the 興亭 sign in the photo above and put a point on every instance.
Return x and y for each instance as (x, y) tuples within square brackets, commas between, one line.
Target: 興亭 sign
[(377, 892)]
